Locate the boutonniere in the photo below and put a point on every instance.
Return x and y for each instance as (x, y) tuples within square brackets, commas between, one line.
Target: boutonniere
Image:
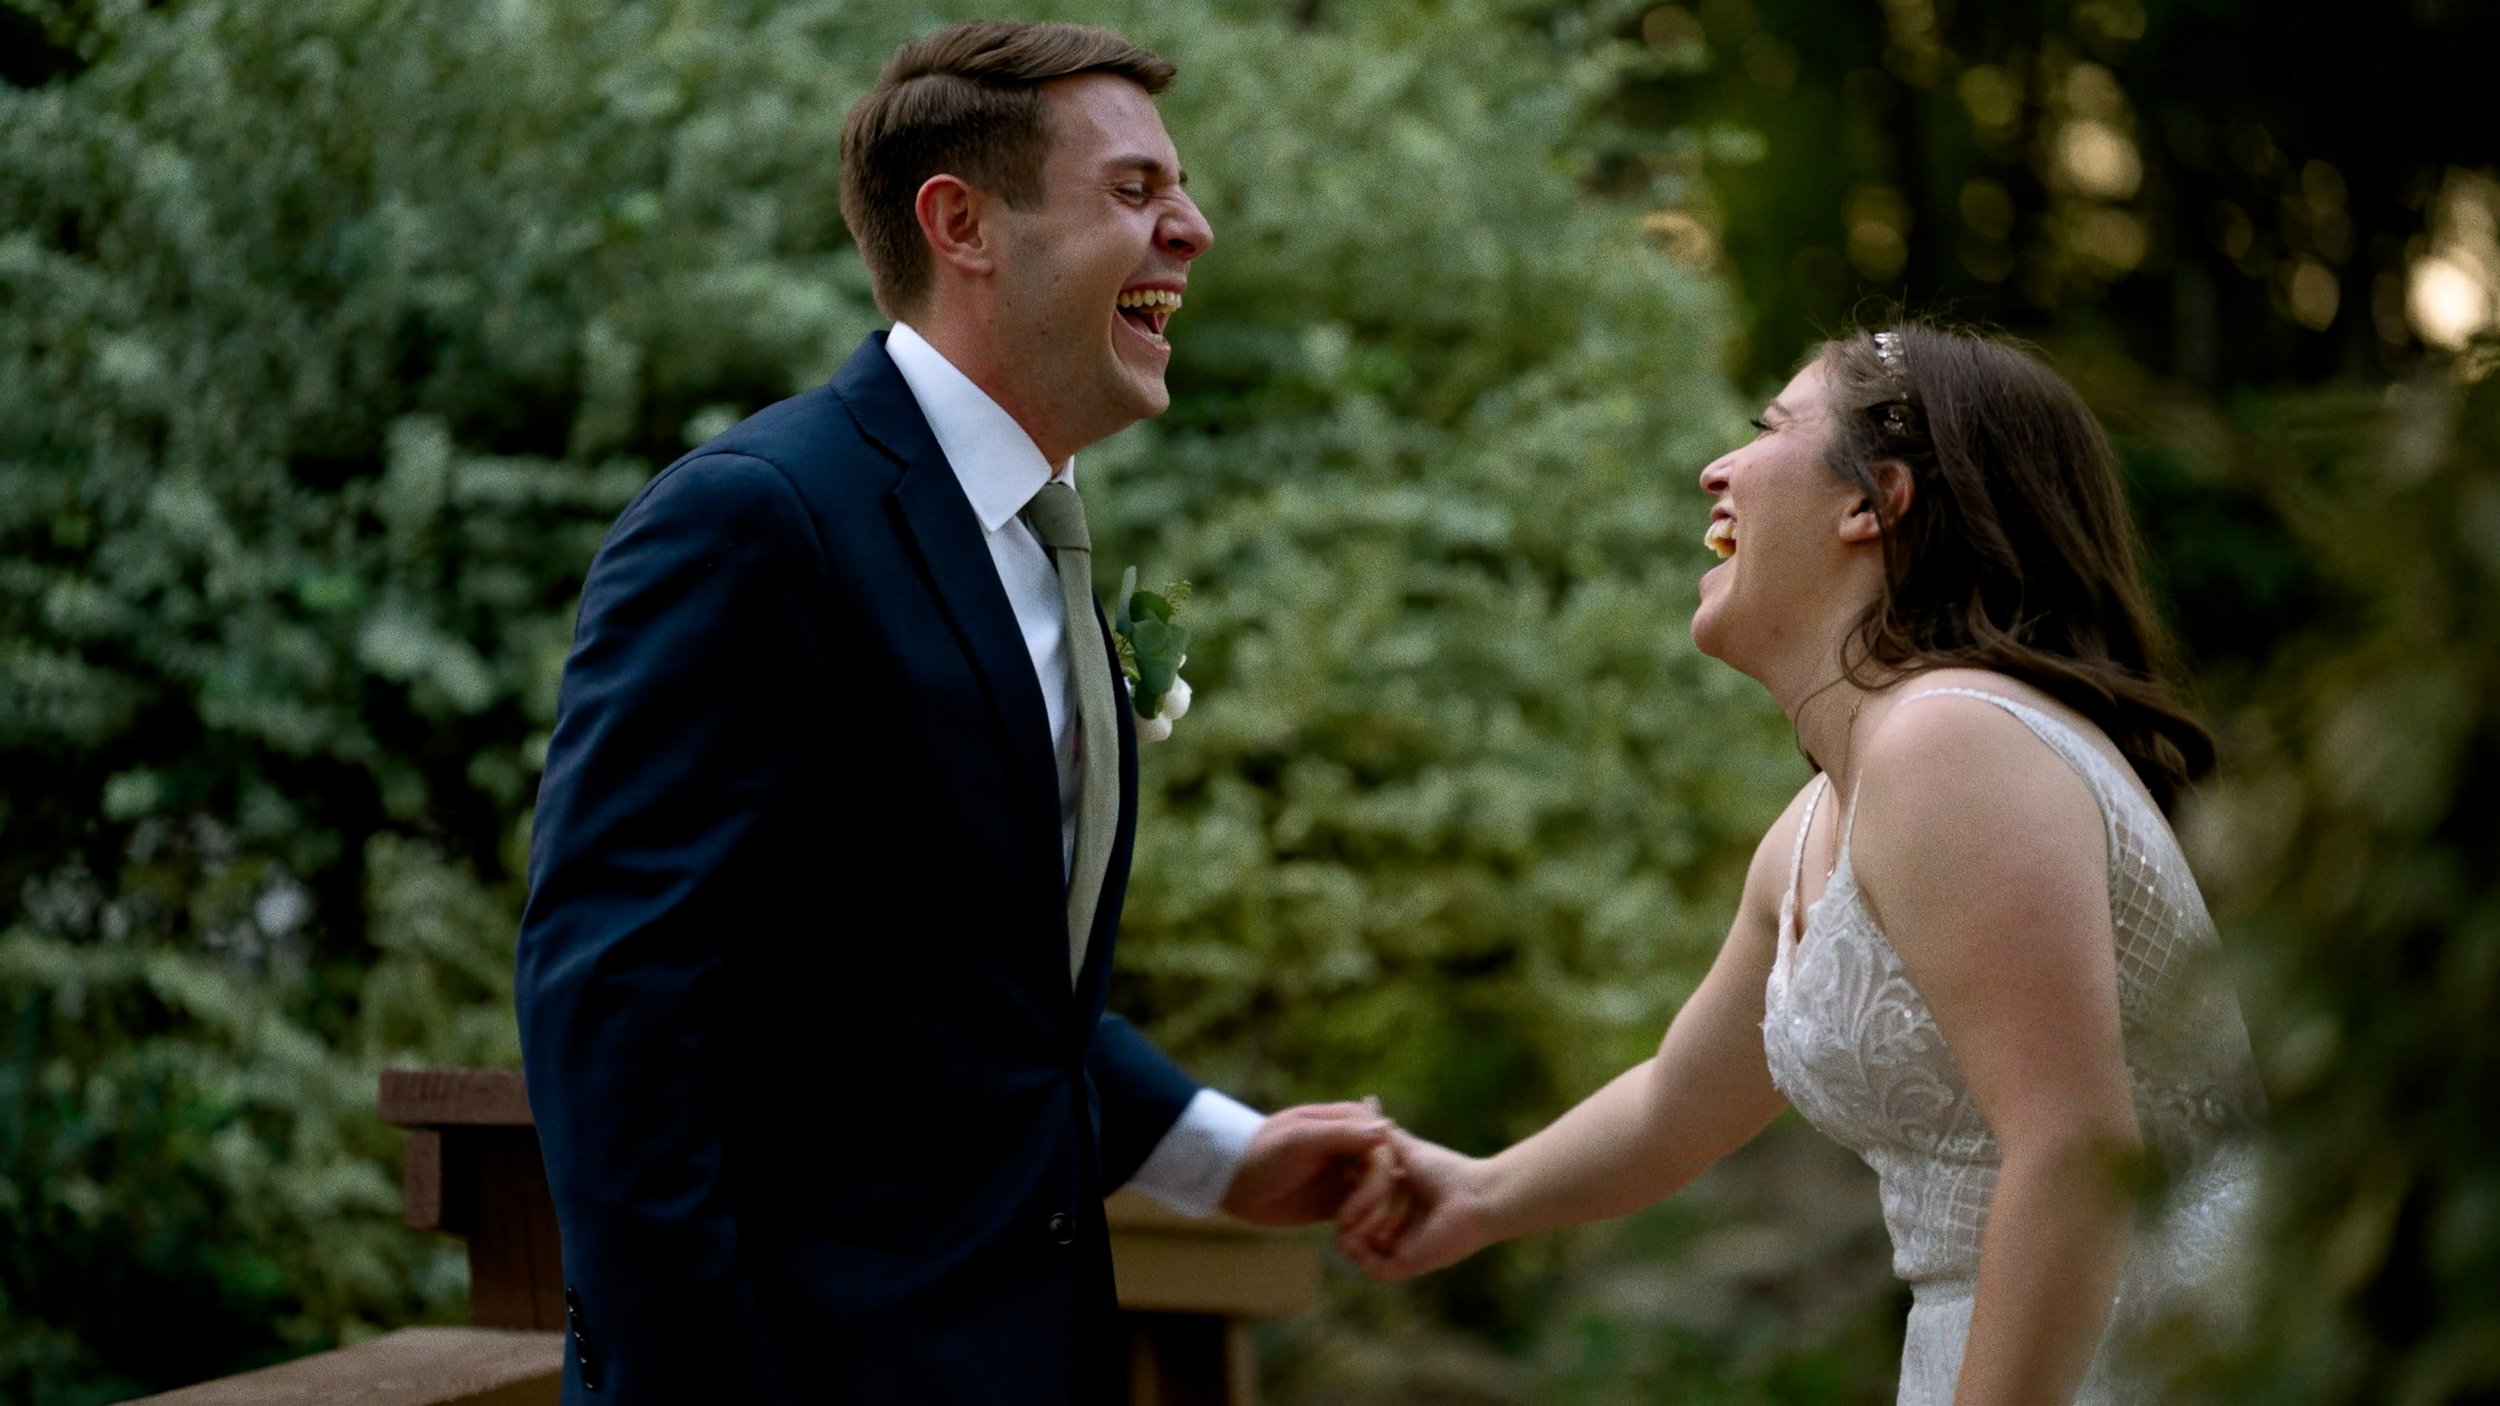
[(1153, 647)]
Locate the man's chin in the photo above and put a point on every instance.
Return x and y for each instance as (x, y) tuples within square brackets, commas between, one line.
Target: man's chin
[(1141, 395)]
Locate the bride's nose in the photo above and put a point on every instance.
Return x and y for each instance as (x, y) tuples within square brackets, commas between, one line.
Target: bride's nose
[(1714, 475)]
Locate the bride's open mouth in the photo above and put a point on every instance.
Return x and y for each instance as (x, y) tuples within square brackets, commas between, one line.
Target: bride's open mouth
[(1149, 311), (1721, 537)]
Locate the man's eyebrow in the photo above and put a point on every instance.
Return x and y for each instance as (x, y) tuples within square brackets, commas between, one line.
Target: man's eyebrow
[(1151, 166)]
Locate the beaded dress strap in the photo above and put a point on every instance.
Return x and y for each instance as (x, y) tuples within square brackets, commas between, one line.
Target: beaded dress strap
[(1797, 852)]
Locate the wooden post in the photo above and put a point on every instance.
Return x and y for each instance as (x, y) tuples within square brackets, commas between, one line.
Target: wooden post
[(1188, 1288), (472, 1169)]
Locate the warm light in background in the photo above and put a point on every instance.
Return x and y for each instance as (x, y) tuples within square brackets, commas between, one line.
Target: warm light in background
[(2312, 294), (2230, 229), (2098, 159), (2093, 91), (2447, 302), (1987, 207), (2452, 292), (1916, 53), (2111, 19), (1683, 237), (1677, 36), (1995, 100), (2111, 241), (1879, 219)]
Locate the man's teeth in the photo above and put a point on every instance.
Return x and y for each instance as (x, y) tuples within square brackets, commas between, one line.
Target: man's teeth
[(1150, 299), (1721, 537)]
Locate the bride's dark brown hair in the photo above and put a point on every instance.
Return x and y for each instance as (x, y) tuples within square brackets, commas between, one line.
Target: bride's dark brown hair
[(2016, 552)]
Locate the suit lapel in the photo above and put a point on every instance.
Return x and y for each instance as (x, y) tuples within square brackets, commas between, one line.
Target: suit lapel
[(933, 514)]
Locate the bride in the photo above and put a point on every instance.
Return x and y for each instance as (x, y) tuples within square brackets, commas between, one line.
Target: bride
[(1969, 949)]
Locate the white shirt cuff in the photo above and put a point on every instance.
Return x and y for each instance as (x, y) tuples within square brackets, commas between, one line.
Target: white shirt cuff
[(1193, 1166)]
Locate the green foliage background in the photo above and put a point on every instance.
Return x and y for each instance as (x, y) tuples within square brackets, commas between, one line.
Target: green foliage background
[(333, 334)]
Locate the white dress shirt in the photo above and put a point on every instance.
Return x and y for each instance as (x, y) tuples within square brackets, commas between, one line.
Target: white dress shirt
[(1001, 469)]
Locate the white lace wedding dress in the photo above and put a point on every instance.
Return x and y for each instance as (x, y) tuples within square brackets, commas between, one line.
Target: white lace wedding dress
[(1852, 1044)]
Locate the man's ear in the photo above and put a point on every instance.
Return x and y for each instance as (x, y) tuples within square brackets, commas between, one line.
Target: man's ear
[(1893, 484), (952, 214)]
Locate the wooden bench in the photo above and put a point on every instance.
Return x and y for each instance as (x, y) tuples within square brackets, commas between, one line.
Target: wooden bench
[(1189, 1289)]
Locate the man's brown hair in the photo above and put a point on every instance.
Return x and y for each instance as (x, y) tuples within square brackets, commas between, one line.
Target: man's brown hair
[(965, 101)]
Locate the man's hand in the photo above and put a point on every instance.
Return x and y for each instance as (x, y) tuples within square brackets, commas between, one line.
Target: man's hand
[(1302, 1161), (1421, 1207)]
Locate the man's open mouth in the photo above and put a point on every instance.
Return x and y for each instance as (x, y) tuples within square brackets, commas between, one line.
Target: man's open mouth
[(1149, 309)]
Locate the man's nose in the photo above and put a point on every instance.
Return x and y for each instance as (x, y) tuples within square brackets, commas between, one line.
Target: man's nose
[(1186, 231)]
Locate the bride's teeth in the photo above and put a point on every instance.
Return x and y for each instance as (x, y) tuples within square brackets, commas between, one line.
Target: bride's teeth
[(1150, 298), (1721, 537)]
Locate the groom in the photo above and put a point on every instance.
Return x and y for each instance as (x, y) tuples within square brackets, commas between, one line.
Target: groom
[(836, 821)]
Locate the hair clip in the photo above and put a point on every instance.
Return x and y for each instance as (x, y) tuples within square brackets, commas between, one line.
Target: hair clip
[(1897, 417)]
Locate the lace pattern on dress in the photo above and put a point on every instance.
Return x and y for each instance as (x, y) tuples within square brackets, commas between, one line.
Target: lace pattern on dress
[(1851, 1042)]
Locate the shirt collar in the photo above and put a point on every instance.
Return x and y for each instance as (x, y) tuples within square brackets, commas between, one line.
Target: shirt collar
[(998, 463)]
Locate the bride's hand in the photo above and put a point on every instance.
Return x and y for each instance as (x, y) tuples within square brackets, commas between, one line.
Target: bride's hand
[(1420, 1207)]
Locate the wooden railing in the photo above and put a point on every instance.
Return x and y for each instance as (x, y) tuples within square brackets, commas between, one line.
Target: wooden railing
[(1189, 1289)]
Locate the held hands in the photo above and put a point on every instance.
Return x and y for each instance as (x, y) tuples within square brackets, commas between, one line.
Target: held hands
[(1420, 1206), (1403, 1206), (1303, 1161)]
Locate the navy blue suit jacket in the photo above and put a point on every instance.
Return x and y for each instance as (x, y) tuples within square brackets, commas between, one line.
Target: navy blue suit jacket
[(823, 1118)]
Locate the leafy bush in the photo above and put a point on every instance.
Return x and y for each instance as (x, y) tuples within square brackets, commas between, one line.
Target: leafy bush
[(335, 333)]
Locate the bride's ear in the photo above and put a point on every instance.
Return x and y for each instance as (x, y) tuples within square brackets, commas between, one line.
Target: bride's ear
[(1895, 490)]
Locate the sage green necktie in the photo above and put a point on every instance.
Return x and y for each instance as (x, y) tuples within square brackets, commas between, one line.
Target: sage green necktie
[(1057, 516)]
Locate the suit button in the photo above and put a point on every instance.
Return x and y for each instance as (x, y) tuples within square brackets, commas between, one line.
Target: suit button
[(1062, 1228), (581, 1339)]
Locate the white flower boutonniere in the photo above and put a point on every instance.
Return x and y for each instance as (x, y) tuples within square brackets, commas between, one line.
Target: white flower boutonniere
[(1153, 647)]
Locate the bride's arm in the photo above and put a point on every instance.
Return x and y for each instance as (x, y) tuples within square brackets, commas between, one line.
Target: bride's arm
[(1654, 1128), (1985, 859)]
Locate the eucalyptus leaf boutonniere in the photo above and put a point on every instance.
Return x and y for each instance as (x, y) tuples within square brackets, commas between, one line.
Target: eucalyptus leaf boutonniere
[(1153, 647)]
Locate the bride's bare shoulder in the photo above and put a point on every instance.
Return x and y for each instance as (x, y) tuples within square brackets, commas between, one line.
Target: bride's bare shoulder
[(1961, 711), (1930, 731), (1963, 767)]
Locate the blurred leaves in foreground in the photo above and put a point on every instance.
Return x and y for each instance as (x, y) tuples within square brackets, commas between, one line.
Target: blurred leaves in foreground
[(2352, 850)]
